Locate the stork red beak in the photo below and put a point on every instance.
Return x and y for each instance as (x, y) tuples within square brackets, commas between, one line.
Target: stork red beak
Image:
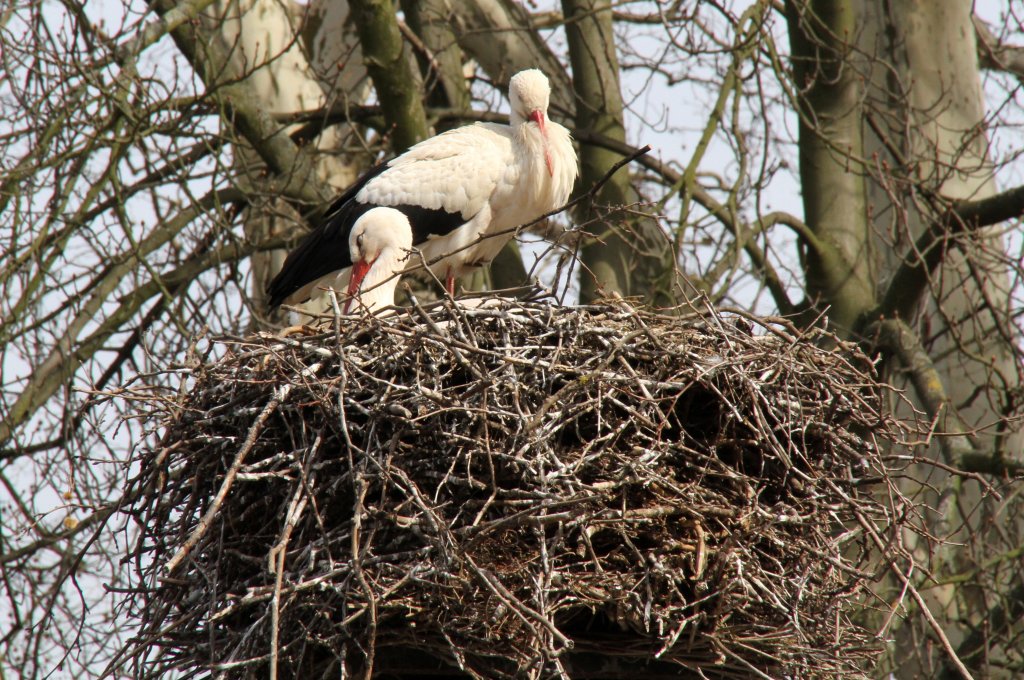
[(538, 118), (359, 270)]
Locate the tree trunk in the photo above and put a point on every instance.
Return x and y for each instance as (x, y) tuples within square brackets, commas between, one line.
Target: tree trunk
[(262, 39), (930, 125), (627, 255), (389, 64), (821, 34), (892, 129)]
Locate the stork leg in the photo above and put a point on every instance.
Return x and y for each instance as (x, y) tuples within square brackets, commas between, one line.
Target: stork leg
[(449, 282)]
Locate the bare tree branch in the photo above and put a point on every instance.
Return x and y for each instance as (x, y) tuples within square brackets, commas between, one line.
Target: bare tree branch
[(956, 666), (69, 354), (899, 338), (721, 212), (1000, 621), (954, 436), (997, 56), (440, 57), (912, 278)]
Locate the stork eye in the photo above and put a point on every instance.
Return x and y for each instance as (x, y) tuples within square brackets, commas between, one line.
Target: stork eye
[(359, 241)]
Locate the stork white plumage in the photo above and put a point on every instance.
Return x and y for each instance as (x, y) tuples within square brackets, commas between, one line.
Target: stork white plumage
[(459, 191), (379, 246)]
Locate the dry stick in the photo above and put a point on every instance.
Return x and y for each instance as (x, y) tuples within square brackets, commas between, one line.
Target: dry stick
[(936, 628), (229, 478), (522, 610), (357, 569), (277, 557)]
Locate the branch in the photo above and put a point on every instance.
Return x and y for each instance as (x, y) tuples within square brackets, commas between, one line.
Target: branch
[(50, 539), (954, 665), (717, 210), (67, 355), (673, 14), (963, 217), (236, 95), (900, 339), (999, 620), (169, 285), (1010, 557), (189, 270), (990, 464), (170, 20), (388, 65), (996, 56), (954, 437), (985, 212)]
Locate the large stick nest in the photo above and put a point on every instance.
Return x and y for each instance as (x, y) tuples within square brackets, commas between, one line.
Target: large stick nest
[(517, 490)]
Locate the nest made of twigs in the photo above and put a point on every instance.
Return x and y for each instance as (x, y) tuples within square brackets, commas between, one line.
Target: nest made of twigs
[(516, 490)]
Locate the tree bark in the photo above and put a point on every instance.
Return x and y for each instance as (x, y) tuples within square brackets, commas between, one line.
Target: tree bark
[(388, 63)]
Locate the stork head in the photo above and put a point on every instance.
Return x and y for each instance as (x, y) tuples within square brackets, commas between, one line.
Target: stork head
[(529, 94), (377, 245)]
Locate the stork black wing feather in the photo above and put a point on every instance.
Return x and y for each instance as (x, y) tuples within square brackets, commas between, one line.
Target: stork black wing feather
[(427, 222), (324, 250)]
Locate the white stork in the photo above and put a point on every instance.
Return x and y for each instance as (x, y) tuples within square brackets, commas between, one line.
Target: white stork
[(471, 182), (379, 246)]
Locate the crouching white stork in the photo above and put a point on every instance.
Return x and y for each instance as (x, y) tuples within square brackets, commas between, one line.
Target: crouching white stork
[(379, 246), (472, 182)]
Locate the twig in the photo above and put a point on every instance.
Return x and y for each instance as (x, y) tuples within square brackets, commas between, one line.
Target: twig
[(951, 655), (229, 478)]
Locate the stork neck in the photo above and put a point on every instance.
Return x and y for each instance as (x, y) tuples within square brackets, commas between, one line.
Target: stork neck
[(516, 119), (378, 288)]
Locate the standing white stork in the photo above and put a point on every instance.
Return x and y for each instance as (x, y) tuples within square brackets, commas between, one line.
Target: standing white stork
[(472, 182)]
